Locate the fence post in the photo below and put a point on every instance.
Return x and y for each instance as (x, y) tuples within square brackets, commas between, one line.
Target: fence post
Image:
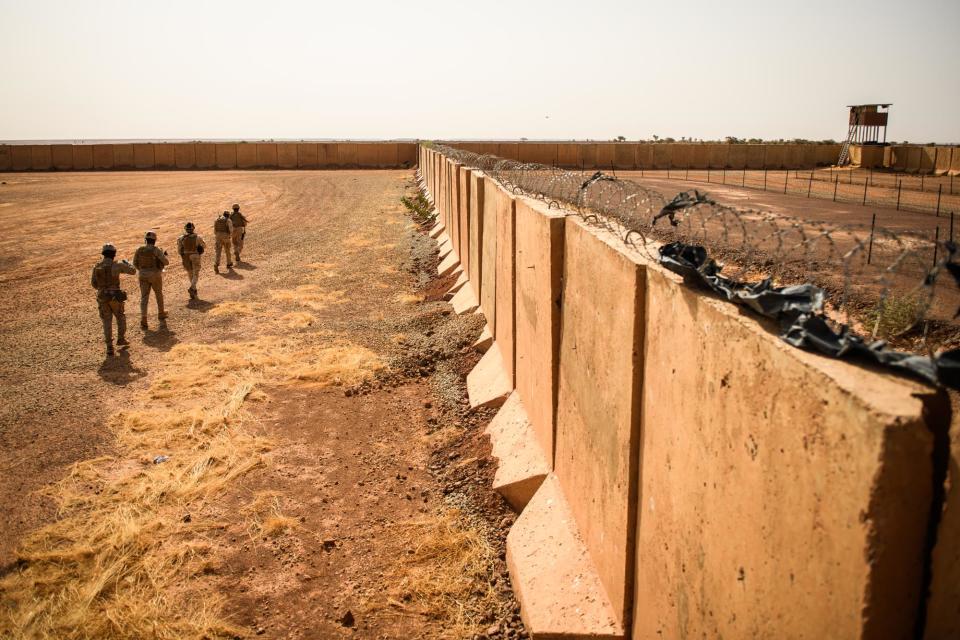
[(708, 173), (810, 184), (724, 175), (899, 188), (686, 176), (936, 244), (764, 177), (835, 183), (743, 178), (864, 192), (786, 179), (939, 194), (873, 225), (871, 176)]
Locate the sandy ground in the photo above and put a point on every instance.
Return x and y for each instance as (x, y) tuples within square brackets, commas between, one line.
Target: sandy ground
[(357, 475)]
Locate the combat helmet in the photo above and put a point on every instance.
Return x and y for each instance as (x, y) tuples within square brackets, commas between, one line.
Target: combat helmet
[(188, 227), (236, 207), (108, 250), (150, 235)]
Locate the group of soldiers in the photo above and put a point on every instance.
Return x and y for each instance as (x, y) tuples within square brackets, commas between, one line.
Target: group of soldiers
[(149, 262)]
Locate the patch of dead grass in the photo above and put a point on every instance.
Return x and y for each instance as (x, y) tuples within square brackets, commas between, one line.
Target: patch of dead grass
[(237, 308), (309, 295), (298, 319), (120, 560), (445, 579)]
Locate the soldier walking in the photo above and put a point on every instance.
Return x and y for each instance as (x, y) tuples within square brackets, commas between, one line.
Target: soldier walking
[(110, 298), (239, 230), (223, 232), (190, 246), (150, 261)]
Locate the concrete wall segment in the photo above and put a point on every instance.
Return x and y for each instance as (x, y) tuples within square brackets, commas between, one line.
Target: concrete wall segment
[(82, 157), (62, 157), (539, 269), (825, 483), (226, 156), (206, 156), (598, 407), (123, 156), (287, 155), (185, 155)]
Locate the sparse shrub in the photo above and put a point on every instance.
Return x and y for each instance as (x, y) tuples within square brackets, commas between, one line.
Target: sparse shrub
[(418, 206), (894, 315)]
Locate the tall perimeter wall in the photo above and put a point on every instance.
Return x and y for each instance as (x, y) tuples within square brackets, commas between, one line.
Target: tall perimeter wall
[(207, 155), (679, 470), (935, 159)]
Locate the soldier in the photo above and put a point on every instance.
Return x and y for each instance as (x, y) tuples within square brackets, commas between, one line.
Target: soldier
[(110, 299), (190, 246), (150, 261), (239, 230), (223, 231)]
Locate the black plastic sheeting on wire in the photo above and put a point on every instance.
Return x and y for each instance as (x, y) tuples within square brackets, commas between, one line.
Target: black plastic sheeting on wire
[(798, 309)]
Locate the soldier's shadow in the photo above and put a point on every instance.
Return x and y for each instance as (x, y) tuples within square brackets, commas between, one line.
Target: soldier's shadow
[(230, 274), (200, 305), (119, 370), (162, 339), (246, 266)]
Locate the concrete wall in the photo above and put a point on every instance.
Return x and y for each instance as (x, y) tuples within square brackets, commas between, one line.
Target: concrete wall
[(644, 155), (206, 155), (722, 483)]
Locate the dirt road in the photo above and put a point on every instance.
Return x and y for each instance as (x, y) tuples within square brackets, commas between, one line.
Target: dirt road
[(322, 477)]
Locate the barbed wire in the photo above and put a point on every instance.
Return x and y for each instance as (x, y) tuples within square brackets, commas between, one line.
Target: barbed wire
[(884, 285)]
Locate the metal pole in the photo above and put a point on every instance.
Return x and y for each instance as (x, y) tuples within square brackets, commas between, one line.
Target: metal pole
[(764, 178), (899, 188), (936, 244), (786, 178), (708, 173), (724, 175), (873, 225), (810, 184), (939, 194), (864, 192), (743, 178), (835, 183)]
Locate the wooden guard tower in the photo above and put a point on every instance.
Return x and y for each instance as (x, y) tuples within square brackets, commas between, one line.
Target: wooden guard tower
[(866, 122)]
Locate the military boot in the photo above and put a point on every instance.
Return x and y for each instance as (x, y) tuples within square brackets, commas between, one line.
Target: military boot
[(143, 324)]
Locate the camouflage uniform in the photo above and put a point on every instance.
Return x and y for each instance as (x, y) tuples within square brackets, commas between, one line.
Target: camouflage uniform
[(150, 261), (223, 232), (239, 231), (190, 246), (106, 280)]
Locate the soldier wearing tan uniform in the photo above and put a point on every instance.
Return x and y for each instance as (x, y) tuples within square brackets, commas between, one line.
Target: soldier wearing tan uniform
[(223, 232), (150, 261), (190, 246), (110, 298), (239, 230)]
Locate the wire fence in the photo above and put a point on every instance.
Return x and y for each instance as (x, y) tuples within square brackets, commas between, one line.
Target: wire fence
[(896, 287), (938, 195)]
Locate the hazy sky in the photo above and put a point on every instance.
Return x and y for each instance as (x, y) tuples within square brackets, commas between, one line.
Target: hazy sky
[(539, 69)]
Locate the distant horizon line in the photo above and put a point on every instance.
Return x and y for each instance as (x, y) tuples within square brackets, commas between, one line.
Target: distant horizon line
[(93, 141)]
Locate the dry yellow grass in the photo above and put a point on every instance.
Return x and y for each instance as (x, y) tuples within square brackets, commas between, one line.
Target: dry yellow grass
[(121, 561), (237, 308), (408, 298), (358, 242), (298, 319), (309, 295), (446, 578)]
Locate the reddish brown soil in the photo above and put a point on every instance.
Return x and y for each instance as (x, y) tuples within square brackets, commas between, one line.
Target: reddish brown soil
[(347, 465)]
